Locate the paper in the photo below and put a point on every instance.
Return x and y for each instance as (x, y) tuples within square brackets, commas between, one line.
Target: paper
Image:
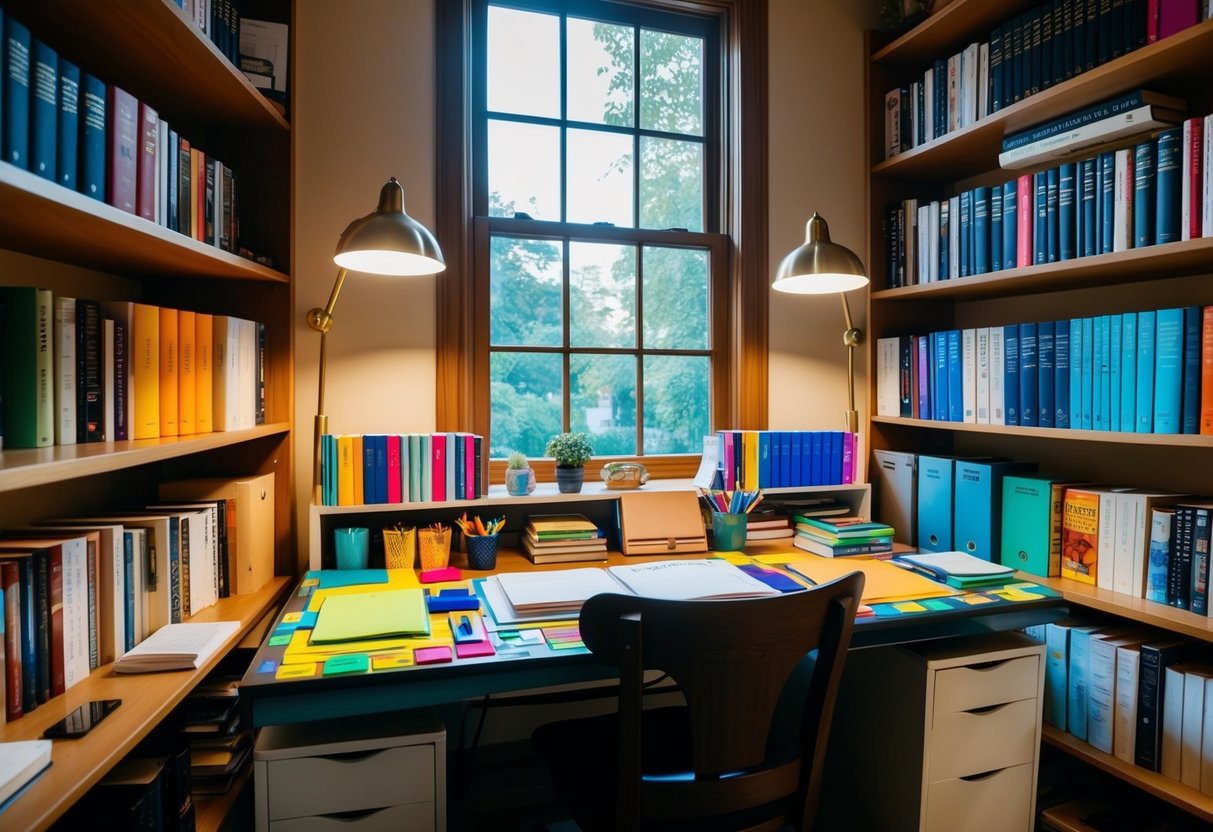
[(177, 647), (20, 762), (684, 580), (955, 564), (883, 581), (564, 591), (399, 612)]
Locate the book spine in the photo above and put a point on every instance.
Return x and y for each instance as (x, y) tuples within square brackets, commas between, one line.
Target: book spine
[(1192, 178), (1128, 373), (1010, 225), (176, 578), (146, 152), (14, 126), (1040, 218), (1143, 196), (1168, 165), (996, 232), (1122, 203), (90, 423), (44, 105), (68, 130), (1087, 210), (94, 131), (1011, 373), (1066, 213), (123, 145), (1061, 375), (1190, 392), (1029, 368), (66, 334), (1104, 109), (1179, 568), (11, 586), (1168, 370), (1046, 372), (1206, 372), (1200, 561), (1107, 201), (1114, 341), (1025, 220)]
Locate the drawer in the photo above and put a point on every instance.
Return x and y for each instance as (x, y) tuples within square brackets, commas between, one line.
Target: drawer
[(415, 817), (1001, 801), (307, 786), (982, 685), (966, 743)]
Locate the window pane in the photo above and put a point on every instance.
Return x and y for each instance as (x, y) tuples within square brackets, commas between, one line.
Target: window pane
[(524, 170), (600, 72), (676, 403), (671, 184), (602, 295), (676, 299), (523, 62), (671, 83), (602, 401), (527, 396), (599, 177), (525, 305)]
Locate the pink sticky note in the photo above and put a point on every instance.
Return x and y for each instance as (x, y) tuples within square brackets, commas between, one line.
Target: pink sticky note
[(432, 655), (435, 576), (472, 649)]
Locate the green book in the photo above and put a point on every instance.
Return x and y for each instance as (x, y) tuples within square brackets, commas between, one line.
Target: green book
[(26, 362), (1031, 523)]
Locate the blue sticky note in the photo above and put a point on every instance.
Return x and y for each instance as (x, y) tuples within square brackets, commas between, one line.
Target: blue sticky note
[(771, 577), (267, 666), (334, 578)]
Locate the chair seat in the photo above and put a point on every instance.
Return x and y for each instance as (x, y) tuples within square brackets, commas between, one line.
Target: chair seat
[(589, 782)]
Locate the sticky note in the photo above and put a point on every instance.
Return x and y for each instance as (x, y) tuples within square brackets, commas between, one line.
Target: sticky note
[(353, 663), (909, 606), (432, 655), (291, 617), (310, 582), (333, 578), (391, 661), (935, 604), (267, 666), (473, 649), (976, 600), (280, 640), (296, 671), (433, 576)]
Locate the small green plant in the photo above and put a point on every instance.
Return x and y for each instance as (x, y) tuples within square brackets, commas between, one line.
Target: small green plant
[(516, 461), (569, 449)]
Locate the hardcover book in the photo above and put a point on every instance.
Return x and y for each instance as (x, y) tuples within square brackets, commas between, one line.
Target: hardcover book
[(94, 131), (14, 127), (44, 106), (122, 149), (68, 132)]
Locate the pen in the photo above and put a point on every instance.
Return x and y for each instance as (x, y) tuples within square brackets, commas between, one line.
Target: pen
[(465, 626)]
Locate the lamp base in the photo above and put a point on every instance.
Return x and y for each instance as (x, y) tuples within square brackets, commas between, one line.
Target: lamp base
[(852, 420)]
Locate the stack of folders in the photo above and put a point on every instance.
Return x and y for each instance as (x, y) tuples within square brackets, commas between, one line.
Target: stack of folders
[(958, 569), (559, 538), (841, 536)]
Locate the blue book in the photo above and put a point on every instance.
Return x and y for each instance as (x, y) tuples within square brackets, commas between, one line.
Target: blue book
[(1029, 381), (797, 466), (1010, 374), (1009, 223), (1061, 374), (91, 181), (764, 459), (1096, 112), (14, 126), (981, 230), (29, 633), (940, 403), (1057, 667), (816, 466), (1114, 347), (368, 470), (806, 458), (173, 158), (966, 233), (1144, 205), (44, 110), (1099, 389), (1067, 225), (977, 505), (1051, 216), (1168, 369), (831, 457), (1076, 696), (1146, 325), (1045, 373), (1087, 396), (1040, 218), (1169, 165), (955, 377), (1087, 221), (1076, 352), (785, 457), (1128, 372), (1190, 413), (460, 467), (996, 228), (68, 131), (935, 477), (1107, 193), (925, 377), (128, 572)]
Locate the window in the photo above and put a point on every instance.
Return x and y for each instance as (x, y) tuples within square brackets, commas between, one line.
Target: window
[(596, 281)]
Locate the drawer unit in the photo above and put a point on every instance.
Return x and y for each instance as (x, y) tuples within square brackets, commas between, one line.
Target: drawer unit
[(380, 771), (932, 735)]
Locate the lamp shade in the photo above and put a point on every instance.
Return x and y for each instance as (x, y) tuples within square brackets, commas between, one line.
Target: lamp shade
[(819, 267), (389, 241)]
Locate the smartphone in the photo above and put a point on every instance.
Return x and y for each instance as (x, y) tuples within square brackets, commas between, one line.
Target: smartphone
[(80, 721)]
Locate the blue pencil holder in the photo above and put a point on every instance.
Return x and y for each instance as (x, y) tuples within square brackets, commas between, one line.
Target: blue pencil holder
[(482, 551), (728, 532)]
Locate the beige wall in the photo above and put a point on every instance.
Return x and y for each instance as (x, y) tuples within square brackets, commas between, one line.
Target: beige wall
[(364, 110)]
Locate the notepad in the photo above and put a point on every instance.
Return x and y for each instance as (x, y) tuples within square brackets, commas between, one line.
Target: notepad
[(177, 647), (958, 569), (370, 615)]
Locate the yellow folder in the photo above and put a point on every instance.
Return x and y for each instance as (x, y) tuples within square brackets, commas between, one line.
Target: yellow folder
[(884, 582)]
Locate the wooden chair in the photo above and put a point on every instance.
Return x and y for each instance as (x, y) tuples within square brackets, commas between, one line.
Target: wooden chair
[(722, 761)]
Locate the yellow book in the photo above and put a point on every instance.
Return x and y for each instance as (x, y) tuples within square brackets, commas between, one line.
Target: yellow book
[(203, 373), (357, 464), (145, 372), (345, 470), (187, 372), (749, 447), (169, 372), (1080, 535)]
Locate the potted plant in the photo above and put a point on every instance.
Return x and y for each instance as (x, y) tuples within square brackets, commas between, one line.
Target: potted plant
[(519, 476), (571, 451)]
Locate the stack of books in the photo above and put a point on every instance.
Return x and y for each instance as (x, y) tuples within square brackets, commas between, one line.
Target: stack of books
[(840, 536), (768, 524), (220, 744), (560, 538)]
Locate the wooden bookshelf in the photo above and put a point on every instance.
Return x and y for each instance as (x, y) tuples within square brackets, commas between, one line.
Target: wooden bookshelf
[(1168, 440), (211, 810)]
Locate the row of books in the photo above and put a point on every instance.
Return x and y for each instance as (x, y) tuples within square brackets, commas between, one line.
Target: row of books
[(219, 20), (1136, 372), (560, 538), (76, 370), (364, 469), (1044, 46), (1158, 191), (754, 459), (1133, 692), (73, 128)]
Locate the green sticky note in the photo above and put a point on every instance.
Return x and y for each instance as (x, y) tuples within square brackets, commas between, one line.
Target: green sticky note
[(355, 663), (278, 641), (935, 604)]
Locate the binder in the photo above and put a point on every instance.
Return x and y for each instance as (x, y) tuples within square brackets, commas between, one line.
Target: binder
[(661, 523), (896, 492)]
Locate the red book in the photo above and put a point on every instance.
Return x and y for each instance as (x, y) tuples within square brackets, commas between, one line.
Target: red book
[(438, 457), (469, 466), (199, 193), (149, 131), (121, 149), (1151, 21), (1192, 183), (1024, 215), (11, 586), (1175, 16), (1206, 372), (393, 468)]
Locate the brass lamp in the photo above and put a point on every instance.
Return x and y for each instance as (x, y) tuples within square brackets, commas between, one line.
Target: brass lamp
[(820, 267), (386, 241)]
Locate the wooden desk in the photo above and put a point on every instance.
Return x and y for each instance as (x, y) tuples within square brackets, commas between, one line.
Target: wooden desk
[(273, 702)]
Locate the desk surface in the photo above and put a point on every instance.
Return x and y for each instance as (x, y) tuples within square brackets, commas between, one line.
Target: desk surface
[(273, 701)]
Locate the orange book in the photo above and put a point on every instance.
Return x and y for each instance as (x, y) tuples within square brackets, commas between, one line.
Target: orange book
[(145, 372), (186, 373), (1206, 372), (170, 373), (203, 373), (1080, 535), (345, 470)]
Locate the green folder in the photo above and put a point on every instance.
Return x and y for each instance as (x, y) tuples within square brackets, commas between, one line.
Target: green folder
[(370, 615)]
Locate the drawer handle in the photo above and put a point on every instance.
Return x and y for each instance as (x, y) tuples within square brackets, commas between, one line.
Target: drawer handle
[(351, 756), (985, 775), (354, 816), (983, 667), (988, 709)]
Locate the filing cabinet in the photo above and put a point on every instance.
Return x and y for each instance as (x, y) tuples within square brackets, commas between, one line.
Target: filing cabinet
[(940, 735), (358, 774)]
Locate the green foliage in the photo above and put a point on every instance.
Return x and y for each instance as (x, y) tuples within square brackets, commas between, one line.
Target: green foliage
[(516, 461), (569, 449)]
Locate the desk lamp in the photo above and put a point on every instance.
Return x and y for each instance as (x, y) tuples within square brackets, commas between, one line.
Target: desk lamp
[(386, 241), (820, 267)]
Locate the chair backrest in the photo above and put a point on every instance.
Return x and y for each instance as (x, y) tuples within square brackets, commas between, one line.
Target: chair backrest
[(731, 660)]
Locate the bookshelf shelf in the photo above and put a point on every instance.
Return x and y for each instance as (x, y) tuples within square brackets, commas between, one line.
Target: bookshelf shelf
[(949, 27), (1167, 440), (150, 49), (43, 466), (1172, 791), (146, 699), (1138, 609), (210, 811)]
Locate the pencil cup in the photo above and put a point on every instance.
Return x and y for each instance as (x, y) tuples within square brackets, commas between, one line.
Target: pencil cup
[(353, 547), (399, 548), (728, 532), (435, 548), (482, 551)]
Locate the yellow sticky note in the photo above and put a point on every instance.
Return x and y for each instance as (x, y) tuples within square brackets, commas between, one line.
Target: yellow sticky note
[(296, 671), (292, 617), (310, 582), (1017, 595), (735, 558), (975, 600), (390, 661), (778, 559), (909, 606)]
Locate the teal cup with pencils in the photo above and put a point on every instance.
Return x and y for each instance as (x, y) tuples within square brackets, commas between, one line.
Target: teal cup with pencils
[(728, 531)]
